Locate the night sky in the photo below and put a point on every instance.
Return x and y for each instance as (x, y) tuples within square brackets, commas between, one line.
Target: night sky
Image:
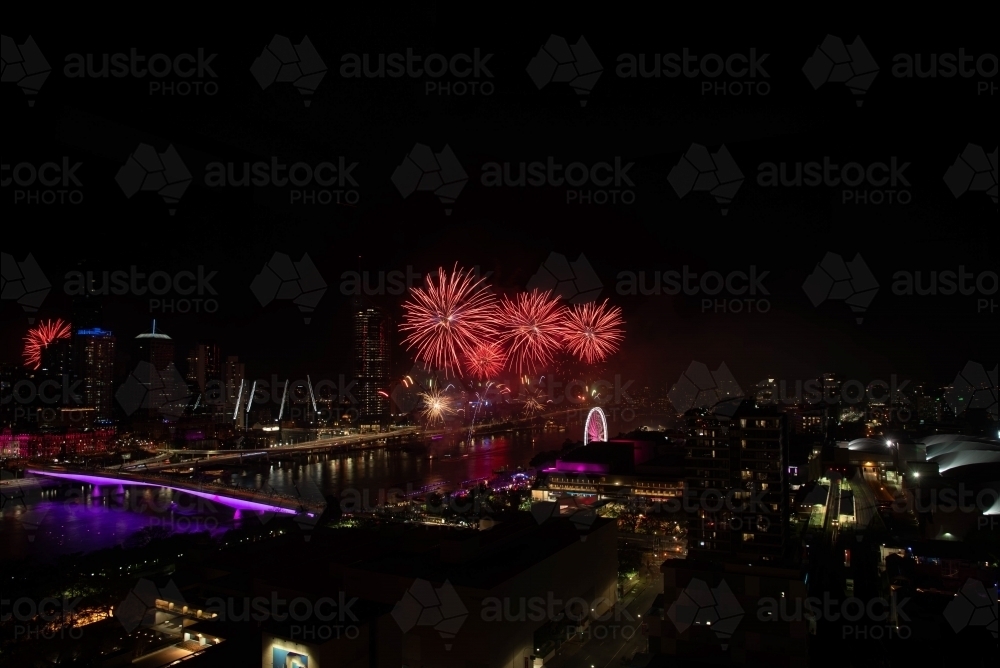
[(510, 231)]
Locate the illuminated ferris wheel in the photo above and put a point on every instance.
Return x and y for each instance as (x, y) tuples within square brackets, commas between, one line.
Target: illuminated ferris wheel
[(596, 428)]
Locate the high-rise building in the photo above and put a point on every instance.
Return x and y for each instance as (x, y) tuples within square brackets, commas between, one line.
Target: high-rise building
[(95, 353), (204, 365), (156, 348), (737, 486), (233, 375), (371, 362)]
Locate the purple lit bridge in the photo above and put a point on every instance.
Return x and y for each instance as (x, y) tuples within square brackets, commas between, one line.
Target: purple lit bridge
[(239, 498)]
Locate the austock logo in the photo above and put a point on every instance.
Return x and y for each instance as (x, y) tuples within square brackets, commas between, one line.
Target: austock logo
[(23, 282), (860, 183), (158, 284), (422, 170), (558, 62), (973, 171), (584, 183), (698, 387), (716, 608), (31, 520), (282, 279), (576, 281), (850, 610), (43, 183), (193, 70), (163, 173), (834, 62), (440, 608), (580, 514), (325, 182), (714, 173), (974, 605), (947, 66), (733, 75), (162, 391), (974, 387), (283, 62), (469, 70), (851, 282), (734, 283), (139, 607), (24, 65)]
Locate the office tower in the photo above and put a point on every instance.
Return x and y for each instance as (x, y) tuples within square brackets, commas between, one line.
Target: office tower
[(371, 362), (156, 348), (737, 486), (233, 374), (95, 351), (204, 365)]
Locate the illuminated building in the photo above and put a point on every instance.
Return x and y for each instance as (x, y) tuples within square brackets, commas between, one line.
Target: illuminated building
[(371, 363), (204, 366), (156, 348), (737, 486), (233, 375), (95, 362)]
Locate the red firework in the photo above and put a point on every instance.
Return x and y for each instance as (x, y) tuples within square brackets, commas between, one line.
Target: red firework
[(447, 319), (486, 360), (592, 331), (40, 338), (531, 329)]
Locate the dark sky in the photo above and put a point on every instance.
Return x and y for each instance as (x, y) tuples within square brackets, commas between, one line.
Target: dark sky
[(651, 122)]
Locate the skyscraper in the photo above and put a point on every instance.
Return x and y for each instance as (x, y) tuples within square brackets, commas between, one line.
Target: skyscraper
[(371, 362), (95, 351), (156, 348), (204, 365), (167, 393), (233, 375)]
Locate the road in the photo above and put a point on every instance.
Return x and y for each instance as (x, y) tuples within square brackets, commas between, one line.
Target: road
[(223, 456), (606, 642)]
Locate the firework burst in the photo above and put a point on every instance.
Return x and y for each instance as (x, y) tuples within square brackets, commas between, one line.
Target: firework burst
[(593, 331), (531, 329), (534, 401), (486, 360), (447, 319), (435, 406), (41, 337)]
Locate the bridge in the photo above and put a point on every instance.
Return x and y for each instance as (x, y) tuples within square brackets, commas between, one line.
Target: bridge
[(237, 456), (238, 498)]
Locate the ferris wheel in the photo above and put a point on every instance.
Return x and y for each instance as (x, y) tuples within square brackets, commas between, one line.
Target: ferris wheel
[(596, 427)]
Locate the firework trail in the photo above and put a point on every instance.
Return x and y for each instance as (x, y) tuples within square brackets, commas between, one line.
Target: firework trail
[(593, 331), (486, 360), (480, 399), (447, 319), (531, 327), (436, 406), (41, 337)]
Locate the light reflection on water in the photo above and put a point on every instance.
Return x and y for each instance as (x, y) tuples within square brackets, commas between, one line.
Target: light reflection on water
[(70, 519)]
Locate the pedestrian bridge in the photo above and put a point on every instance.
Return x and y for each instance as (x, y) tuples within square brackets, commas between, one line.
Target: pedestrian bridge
[(239, 498)]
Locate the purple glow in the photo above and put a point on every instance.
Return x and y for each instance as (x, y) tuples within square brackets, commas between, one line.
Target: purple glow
[(239, 504), (581, 467)]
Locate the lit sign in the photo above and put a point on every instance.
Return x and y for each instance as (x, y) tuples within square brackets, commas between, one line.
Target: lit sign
[(92, 332), (286, 658)]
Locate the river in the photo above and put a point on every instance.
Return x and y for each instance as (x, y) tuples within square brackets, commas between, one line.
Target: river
[(62, 519)]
